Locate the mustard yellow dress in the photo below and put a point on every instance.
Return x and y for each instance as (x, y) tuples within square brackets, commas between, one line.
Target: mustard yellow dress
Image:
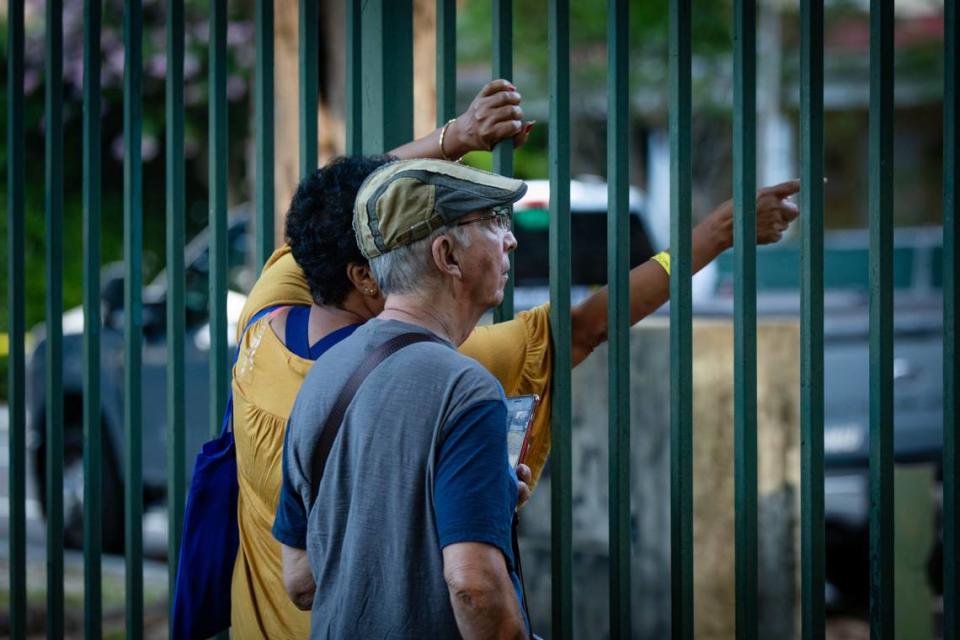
[(266, 379)]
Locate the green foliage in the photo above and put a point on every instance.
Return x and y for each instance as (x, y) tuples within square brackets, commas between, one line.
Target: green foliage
[(153, 128), (649, 79), (649, 38)]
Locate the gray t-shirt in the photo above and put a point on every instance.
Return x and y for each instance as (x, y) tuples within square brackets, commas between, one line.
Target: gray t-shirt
[(373, 541)]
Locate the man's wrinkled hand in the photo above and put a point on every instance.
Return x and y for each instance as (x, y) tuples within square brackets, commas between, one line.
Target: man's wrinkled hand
[(494, 115), (524, 475)]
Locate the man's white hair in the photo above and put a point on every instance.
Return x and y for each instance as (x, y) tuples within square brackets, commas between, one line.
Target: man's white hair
[(410, 268)]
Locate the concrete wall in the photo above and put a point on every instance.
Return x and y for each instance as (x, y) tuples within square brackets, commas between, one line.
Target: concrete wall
[(778, 444)]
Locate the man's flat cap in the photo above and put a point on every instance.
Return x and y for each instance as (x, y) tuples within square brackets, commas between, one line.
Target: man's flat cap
[(405, 201)]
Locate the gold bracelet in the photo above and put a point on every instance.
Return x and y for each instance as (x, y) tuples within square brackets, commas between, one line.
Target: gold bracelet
[(443, 133), (663, 259)]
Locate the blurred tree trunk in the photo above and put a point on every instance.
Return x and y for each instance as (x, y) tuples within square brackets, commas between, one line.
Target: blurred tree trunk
[(424, 67), (286, 98), (330, 116)]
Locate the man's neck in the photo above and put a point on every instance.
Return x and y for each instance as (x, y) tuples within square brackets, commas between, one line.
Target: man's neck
[(451, 321)]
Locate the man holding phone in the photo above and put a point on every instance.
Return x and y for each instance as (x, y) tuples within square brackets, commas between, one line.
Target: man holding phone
[(520, 413), (414, 539)]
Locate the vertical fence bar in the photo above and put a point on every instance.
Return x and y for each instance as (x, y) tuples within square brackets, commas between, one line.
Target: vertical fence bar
[(618, 311), (92, 479), (811, 320), (681, 325), (219, 371), (133, 313), (15, 312), (175, 200), (263, 124), (219, 165), (309, 31), (54, 300), (745, 314), (354, 76), (503, 153), (447, 59), (951, 325), (387, 79), (561, 492), (881, 319)]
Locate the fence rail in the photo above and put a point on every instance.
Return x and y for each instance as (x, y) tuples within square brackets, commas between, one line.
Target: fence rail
[(379, 110), (133, 315), (16, 307), (812, 549), (92, 440), (951, 322), (175, 237), (53, 163), (618, 313), (881, 318), (745, 314), (681, 323)]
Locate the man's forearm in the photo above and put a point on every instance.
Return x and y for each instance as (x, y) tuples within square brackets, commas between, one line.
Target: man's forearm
[(297, 577), (481, 592), (480, 616)]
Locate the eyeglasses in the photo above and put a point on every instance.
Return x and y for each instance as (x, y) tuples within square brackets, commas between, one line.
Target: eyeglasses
[(501, 216)]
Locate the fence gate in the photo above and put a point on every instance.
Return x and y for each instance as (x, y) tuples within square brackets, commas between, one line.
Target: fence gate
[(379, 114)]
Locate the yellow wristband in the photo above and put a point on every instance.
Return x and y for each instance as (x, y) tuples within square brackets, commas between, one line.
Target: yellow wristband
[(663, 259)]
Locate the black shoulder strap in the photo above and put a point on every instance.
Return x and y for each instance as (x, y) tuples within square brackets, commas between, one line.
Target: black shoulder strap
[(334, 419)]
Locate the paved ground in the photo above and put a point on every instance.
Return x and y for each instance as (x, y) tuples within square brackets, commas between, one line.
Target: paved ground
[(154, 571)]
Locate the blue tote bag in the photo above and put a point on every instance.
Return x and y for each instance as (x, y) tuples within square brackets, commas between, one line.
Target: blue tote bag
[(208, 549)]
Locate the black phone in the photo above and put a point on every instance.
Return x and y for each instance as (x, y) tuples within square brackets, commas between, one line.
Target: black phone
[(520, 412)]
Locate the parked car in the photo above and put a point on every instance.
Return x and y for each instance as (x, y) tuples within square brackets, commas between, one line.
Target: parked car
[(196, 371), (589, 230)]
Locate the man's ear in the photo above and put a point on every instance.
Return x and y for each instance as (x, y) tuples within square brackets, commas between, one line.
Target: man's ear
[(360, 274), (445, 256)]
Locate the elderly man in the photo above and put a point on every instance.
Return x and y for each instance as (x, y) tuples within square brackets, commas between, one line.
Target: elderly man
[(414, 539)]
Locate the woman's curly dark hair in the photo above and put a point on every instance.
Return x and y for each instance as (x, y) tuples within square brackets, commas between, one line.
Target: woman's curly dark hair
[(319, 225)]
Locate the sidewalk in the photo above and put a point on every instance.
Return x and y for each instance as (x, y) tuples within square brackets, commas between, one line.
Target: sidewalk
[(154, 587), (154, 573)]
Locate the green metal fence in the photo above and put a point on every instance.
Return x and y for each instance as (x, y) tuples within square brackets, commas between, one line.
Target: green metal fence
[(951, 324), (745, 314), (16, 301), (811, 320), (681, 324), (379, 108), (881, 316), (53, 181), (618, 314), (91, 321), (175, 197)]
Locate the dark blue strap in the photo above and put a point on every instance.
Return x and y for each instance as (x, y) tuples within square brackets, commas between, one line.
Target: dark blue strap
[(228, 414), (297, 331)]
